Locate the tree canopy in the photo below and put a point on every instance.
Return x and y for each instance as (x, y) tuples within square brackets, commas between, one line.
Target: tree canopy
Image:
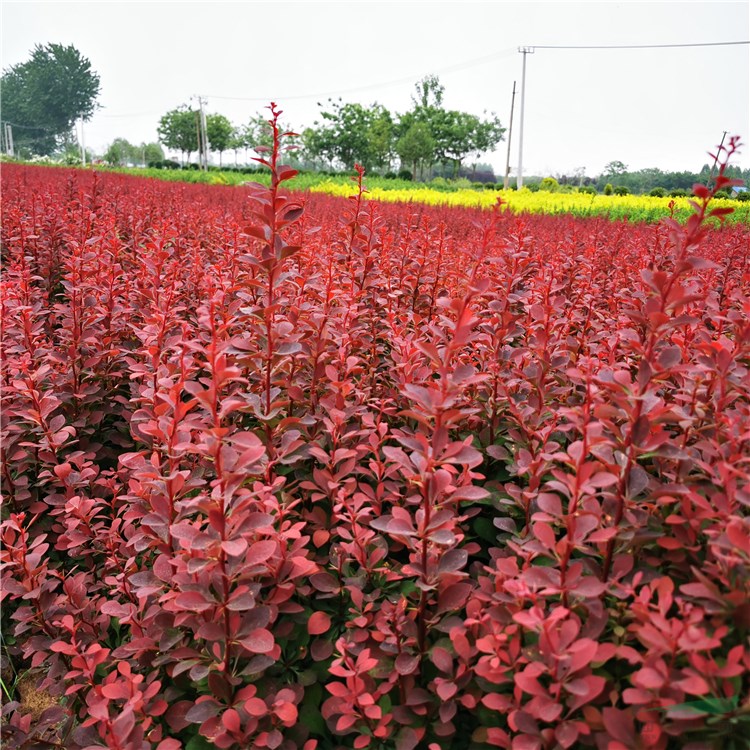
[(416, 147), (178, 130), (121, 152), (352, 133), (425, 137), (43, 97), (220, 132)]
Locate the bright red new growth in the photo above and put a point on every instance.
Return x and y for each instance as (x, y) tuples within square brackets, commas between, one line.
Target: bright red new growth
[(286, 471)]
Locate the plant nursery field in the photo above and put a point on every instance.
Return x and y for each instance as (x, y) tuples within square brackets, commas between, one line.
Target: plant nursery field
[(636, 208), (287, 470)]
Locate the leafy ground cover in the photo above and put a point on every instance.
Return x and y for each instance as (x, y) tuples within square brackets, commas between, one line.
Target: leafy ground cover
[(299, 471), (636, 208)]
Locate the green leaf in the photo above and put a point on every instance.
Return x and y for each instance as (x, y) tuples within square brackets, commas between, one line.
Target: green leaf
[(484, 529), (708, 706), (309, 711), (385, 703), (199, 743)]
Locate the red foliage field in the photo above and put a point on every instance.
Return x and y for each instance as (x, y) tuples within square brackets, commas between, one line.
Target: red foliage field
[(286, 471)]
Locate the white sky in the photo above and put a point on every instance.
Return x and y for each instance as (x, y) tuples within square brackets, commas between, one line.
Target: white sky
[(661, 108)]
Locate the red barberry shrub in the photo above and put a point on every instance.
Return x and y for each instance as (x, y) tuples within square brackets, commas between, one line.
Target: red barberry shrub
[(289, 471)]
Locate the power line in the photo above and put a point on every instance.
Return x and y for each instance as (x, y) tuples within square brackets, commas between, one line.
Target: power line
[(135, 114), (410, 79), (635, 46), (29, 127), (531, 49), (472, 63), (395, 82)]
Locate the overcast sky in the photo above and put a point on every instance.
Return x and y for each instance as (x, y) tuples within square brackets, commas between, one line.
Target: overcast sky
[(646, 107)]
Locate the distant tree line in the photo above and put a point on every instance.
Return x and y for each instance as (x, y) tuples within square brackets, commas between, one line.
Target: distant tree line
[(426, 139), (178, 130), (618, 180), (43, 98), (121, 153)]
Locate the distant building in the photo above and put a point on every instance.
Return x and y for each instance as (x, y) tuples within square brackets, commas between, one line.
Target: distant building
[(736, 190)]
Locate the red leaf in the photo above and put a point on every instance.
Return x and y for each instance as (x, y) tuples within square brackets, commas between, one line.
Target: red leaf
[(544, 533), (442, 659), (260, 552), (694, 685), (453, 597), (203, 710), (406, 663), (287, 712), (231, 720), (318, 623), (260, 641), (193, 601), (256, 707), (620, 725), (234, 547)]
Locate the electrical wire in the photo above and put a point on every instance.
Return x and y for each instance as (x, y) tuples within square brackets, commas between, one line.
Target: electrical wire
[(472, 63), (385, 84), (635, 46), (28, 127), (410, 79)]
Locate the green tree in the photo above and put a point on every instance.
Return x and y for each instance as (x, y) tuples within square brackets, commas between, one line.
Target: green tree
[(353, 134), (455, 134), (178, 130), (313, 147), (44, 96), (120, 153), (151, 153), (219, 131), (258, 133), (416, 147), (428, 93), (487, 135), (615, 168), (427, 109), (380, 137), (237, 141), (458, 134)]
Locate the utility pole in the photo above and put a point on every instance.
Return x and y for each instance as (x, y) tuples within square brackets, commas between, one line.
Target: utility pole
[(510, 134), (524, 51), (716, 158), (202, 131), (199, 138), (204, 134), (83, 145), (9, 139)]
